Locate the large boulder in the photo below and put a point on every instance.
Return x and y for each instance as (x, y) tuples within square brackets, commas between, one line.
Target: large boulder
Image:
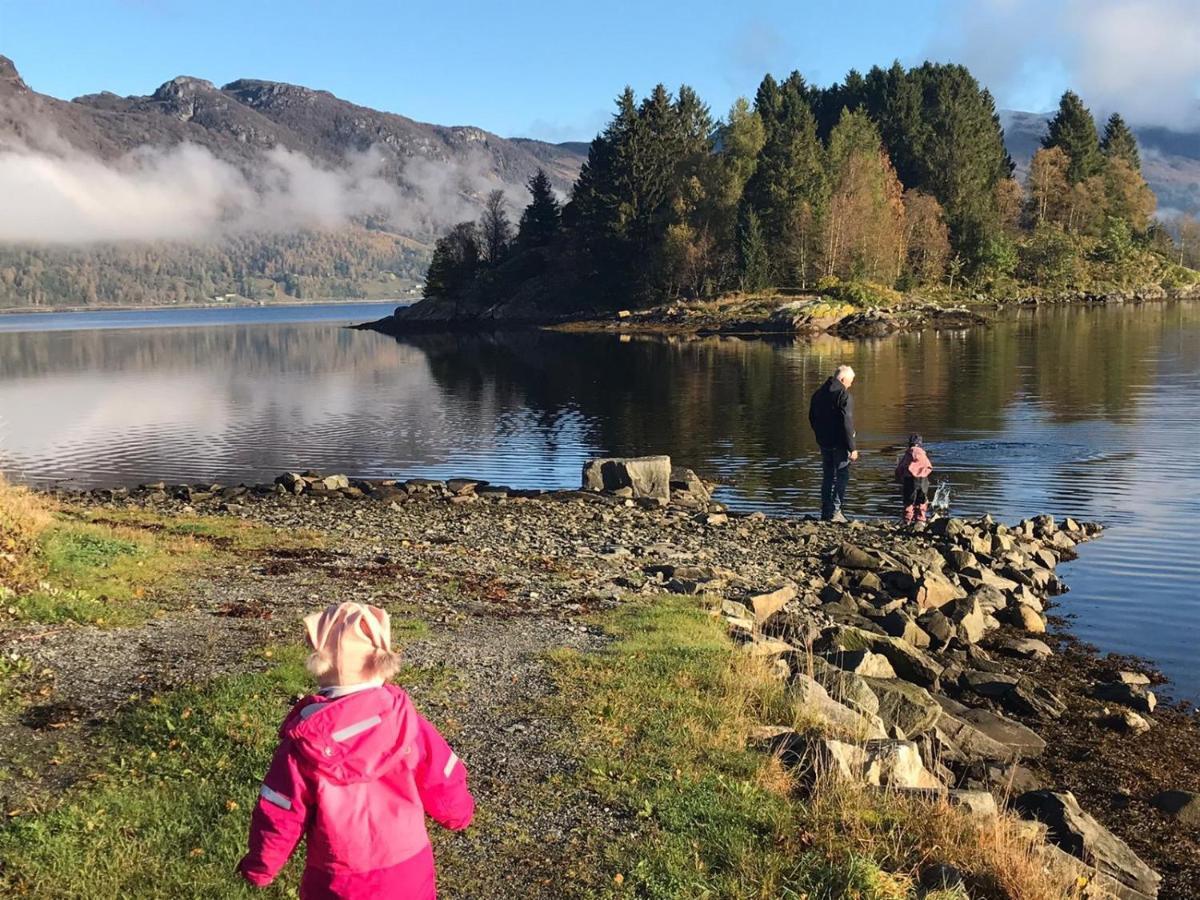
[(983, 734), (1075, 831), (897, 764), (645, 476), (899, 625), (1134, 696), (850, 556), (863, 663), (812, 700), (909, 662), (935, 590), (846, 687), (767, 603), (685, 481), (968, 618), (905, 706)]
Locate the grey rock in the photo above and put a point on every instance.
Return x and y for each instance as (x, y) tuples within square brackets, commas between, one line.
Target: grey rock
[(812, 699), (1131, 695), (899, 625), (905, 706), (1079, 834), (648, 477), (992, 736), (909, 662)]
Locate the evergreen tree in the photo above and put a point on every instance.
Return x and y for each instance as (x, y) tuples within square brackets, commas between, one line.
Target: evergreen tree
[(767, 101), (788, 189), (960, 156), (893, 100), (742, 138), (1074, 131), (540, 220), (1119, 143), (455, 262), (753, 262)]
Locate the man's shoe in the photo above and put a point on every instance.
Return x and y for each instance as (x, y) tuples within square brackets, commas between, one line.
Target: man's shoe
[(839, 518)]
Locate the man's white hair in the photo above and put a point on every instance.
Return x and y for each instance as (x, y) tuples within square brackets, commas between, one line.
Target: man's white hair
[(843, 372)]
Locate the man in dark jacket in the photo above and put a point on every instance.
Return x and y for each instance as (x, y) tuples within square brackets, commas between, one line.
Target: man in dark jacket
[(831, 414)]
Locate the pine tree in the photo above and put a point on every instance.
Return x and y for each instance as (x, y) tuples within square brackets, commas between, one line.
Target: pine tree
[(1074, 131), (455, 262), (960, 154), (788, 189), (893, 100), (753, 263), (540, 220), (1119, 143)]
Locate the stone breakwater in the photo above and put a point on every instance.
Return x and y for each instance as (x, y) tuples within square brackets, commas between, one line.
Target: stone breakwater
[(923, 658)]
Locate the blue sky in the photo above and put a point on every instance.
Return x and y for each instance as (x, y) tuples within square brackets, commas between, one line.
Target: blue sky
[(550, 70)]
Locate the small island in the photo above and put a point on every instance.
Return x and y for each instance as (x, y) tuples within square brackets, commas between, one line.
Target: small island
[(885, 202)]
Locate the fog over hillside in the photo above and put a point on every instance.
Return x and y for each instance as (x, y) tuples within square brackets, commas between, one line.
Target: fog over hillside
[(1170, 159)]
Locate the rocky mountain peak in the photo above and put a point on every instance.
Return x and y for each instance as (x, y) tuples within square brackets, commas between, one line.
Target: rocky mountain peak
[(183, 86), (10, 78), (256, 93)]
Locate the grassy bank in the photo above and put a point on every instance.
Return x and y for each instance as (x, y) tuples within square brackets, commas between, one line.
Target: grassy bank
[(107, 567), (664, 717)]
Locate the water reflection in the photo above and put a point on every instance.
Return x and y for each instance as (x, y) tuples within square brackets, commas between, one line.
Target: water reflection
[(1084, 411)]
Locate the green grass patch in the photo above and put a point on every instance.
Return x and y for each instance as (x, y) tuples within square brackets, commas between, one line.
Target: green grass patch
[(164, 810), (663, 715), (662, 718), (108, 567)]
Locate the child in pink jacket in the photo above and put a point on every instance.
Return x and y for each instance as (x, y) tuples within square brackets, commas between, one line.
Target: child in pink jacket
[(912, 472), (356, 771)]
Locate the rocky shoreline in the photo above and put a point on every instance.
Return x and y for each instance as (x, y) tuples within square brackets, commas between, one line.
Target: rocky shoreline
[(928, 657), (766, 315)]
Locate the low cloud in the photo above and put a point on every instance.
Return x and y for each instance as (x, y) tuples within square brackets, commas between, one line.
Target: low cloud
[(61, 195), (1138, 57)]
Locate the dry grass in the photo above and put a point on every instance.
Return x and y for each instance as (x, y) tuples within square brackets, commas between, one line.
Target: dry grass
[(23, 518)]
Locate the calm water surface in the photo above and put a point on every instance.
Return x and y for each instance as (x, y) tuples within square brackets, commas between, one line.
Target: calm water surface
[(1089, 412)]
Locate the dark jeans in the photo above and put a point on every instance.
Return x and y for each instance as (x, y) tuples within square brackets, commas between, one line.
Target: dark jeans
[(835, 475), (915, 491)]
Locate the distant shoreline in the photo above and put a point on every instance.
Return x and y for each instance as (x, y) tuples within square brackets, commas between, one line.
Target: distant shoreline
[(247, 304)]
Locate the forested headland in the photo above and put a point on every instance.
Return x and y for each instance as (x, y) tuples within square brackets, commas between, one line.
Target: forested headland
[(896, 181)]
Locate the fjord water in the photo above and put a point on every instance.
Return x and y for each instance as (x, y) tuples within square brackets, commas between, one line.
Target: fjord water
[(1092, 412)]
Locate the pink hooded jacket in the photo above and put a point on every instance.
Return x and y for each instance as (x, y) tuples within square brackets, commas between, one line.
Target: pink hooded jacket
[(913, 464), (356, 775)]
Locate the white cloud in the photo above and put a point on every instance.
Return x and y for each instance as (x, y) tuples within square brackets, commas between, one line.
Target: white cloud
[(1138, 57), (57, 194)]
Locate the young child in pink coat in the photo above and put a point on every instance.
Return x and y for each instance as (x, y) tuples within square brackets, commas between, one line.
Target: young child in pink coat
[(356, 771), (912, 472)]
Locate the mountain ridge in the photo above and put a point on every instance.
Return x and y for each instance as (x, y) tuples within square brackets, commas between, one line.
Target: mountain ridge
[(1170, 159)]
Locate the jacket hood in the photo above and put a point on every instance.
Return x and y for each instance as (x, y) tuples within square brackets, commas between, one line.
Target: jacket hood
[(355, 738)]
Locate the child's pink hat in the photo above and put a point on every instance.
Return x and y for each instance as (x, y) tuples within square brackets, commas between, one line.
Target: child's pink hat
[(351, 643)]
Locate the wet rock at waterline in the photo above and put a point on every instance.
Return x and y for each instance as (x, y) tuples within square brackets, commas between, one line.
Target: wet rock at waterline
[(644, 476)]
